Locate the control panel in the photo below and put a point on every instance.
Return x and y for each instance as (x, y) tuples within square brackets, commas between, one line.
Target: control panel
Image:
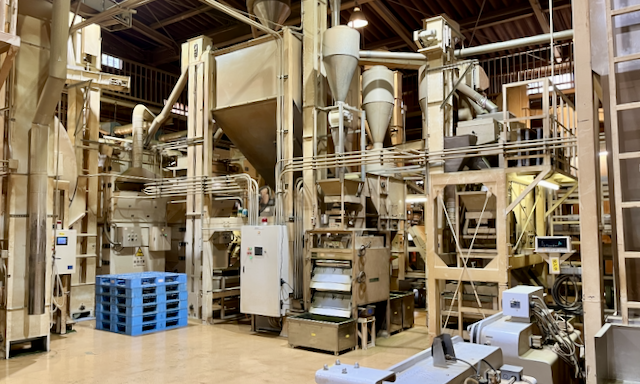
[(65, 245), (160, 239), (516, 301), (131, 237)]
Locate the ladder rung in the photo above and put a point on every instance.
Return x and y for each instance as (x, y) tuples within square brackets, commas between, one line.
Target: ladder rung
[(625, 10), (633, 304), (630, 204), (631, 255), (628, 106), (621, 59), (628, 155)]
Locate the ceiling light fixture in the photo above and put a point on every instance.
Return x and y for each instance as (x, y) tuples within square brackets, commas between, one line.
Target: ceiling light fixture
[(549, 185), (358, 19)]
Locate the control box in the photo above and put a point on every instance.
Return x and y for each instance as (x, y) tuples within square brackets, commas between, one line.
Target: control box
[(516, 301), (265, 274), (553, 244), (160, 239), (65, 243), (131, 236)]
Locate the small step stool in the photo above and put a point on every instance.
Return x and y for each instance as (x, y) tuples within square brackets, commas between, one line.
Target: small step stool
[(367, 328)]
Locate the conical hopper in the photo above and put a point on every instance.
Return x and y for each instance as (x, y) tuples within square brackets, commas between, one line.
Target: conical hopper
[(270, 12), (341, 52), (377, 100)]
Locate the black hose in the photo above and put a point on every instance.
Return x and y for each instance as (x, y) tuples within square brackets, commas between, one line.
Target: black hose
[(561, 300)]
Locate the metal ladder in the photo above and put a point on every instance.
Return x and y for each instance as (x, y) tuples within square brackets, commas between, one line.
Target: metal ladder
[(622, 205)]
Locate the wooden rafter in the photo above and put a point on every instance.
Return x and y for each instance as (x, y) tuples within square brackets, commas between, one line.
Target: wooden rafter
[(393, 22)]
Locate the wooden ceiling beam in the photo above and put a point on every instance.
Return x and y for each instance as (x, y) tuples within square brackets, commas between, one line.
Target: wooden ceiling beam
[(181, 17), (153, 34), (393, 22)]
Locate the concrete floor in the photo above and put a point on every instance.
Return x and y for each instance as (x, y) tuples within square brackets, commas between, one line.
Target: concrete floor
[(222, 353)]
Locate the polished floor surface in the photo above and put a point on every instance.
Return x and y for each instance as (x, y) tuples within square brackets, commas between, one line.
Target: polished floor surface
[(222, 353)]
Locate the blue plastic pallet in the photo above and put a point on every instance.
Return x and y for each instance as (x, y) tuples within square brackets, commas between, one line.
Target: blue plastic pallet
[(173, 305), (142, 279), (176, 296), (146, 328), (149, 318), (131, 311)]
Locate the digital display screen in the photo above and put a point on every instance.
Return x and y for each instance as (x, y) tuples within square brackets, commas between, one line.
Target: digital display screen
[(62, 240), (258, 251), (554, 243)]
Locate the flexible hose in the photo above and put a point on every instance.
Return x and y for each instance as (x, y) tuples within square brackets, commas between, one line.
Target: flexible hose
[(562, 301)]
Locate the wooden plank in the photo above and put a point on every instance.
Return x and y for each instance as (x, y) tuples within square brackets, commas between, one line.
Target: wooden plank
[(180, 17), (622, 59), (622, 11)]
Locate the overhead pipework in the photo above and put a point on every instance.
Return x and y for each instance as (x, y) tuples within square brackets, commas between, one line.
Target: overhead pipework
[(38, 148)]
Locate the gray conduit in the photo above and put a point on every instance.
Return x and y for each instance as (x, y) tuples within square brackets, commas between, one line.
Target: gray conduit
[(38, 155)]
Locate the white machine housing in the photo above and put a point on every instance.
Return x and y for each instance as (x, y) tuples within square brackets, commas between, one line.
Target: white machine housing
[(512, 332), (516, 301), (66, 253), (265, 274)]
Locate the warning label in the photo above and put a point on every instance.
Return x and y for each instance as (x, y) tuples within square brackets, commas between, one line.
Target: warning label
[(138, 258)]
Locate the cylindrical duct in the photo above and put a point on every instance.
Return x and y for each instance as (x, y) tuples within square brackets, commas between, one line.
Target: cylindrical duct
[(335, 12), (423, 92), (173, 136), (38, 156), (377, 101), (340, 50), (140, 115)]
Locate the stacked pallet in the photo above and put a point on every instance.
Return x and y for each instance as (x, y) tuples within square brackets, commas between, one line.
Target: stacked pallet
[(140, 303)]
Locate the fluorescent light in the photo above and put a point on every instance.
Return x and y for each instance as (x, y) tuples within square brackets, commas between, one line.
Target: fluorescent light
[(603, 153), (416, 199), (548, 184)]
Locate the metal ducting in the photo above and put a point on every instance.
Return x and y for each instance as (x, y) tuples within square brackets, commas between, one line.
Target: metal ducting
[(377, 101), (38, 156), (340, 50), (271, 13), (141, 117), (422, 96)]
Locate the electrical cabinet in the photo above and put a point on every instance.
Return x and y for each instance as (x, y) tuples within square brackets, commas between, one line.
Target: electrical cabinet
[(160, 239), (131, 236), (516, 302), (66, 241), (265, 277)]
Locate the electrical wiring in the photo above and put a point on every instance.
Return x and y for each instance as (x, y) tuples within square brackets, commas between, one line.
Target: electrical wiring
[(562, 300), (449, 357)]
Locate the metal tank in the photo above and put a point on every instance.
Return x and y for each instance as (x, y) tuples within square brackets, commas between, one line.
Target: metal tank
[(271, 13), (377, 101), (340, 50)]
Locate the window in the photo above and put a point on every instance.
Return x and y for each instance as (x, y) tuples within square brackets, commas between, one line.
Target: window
[(564, 81), (111, 61)]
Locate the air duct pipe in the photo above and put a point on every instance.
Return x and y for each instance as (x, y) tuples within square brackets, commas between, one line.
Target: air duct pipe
[(140, 115), (38, 156), (335, 12), (472, 51), (168, 106), (123, 130), (476, 97), (173, 136)]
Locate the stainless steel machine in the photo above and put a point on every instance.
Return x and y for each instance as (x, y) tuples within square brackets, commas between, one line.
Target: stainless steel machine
[(453, 362), (344, 270)]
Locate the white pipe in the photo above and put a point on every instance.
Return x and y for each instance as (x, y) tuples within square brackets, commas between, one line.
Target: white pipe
[(38, 155), (472, 51), (513, 44), (140, 115), (482, 101), (166, 111), (335, 12)]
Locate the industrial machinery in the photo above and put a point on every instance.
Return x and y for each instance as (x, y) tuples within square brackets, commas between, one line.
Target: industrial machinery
[(266, 274), (448, 361), (548, 345)]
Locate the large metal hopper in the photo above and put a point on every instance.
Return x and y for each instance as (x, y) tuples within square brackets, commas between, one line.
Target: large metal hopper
[(252, 128), (271, 13), (246, 100)]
